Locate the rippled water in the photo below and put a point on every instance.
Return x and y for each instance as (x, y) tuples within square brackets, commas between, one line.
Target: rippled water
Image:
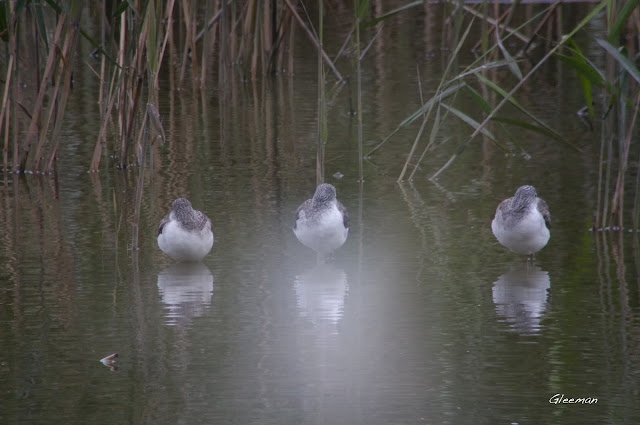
[(421, 317)]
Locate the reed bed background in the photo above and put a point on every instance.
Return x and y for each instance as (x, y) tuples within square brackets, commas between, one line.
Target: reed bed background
[(135, 41)]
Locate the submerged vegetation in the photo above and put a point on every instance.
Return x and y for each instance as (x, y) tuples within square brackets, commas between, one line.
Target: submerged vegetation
[(256, 39)]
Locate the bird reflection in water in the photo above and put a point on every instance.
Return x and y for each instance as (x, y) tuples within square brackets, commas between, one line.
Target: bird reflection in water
[(186, 290), (320, 294), (521, 297)]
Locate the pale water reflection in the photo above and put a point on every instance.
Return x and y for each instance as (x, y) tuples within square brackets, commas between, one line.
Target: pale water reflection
[(185, 290), (521, 297)]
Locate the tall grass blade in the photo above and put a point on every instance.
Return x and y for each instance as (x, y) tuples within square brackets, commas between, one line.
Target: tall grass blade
[(42, 28), (313, 39), (621, 20), (474, 124), (511, 62), (154, 118), (528, 126), (584, 69), (434, 131), (390, 13), (507, 97), (425, 107), (443, 83), (322, 101), (596, 10), (360, 12), (486, 108), (621, 59), (39, 103), (586, 75)]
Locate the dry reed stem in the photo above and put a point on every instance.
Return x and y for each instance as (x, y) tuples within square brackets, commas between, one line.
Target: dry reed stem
[(169, 15), (54, 104), (520, 83), (16, 148), (192, 42), (493, 21), (5, 150), (130, 119), (311, 37), (97, 152), (130, 122), (247, 28), (45, 125), (618, 194), (269, 20), (359, 99), (280, 44), (212, 21), (322, 115), (541, 24), (189, 24), (7, 87), (205, 50), (254, 53), (55, 136), (49, 67), (121, 88)]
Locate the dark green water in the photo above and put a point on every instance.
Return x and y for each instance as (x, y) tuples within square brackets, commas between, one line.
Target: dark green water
[(421, 317)]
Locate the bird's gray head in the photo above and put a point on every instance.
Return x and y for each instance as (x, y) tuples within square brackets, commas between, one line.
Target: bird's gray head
[(181, 204), (525, 195), (324, 193)]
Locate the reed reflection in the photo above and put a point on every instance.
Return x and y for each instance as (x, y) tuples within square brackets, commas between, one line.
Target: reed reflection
[(186, 290), (521, 297)]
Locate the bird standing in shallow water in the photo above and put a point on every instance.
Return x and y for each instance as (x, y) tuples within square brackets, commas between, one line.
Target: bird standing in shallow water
[(522, 222), (322, 222), (185, 234)]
